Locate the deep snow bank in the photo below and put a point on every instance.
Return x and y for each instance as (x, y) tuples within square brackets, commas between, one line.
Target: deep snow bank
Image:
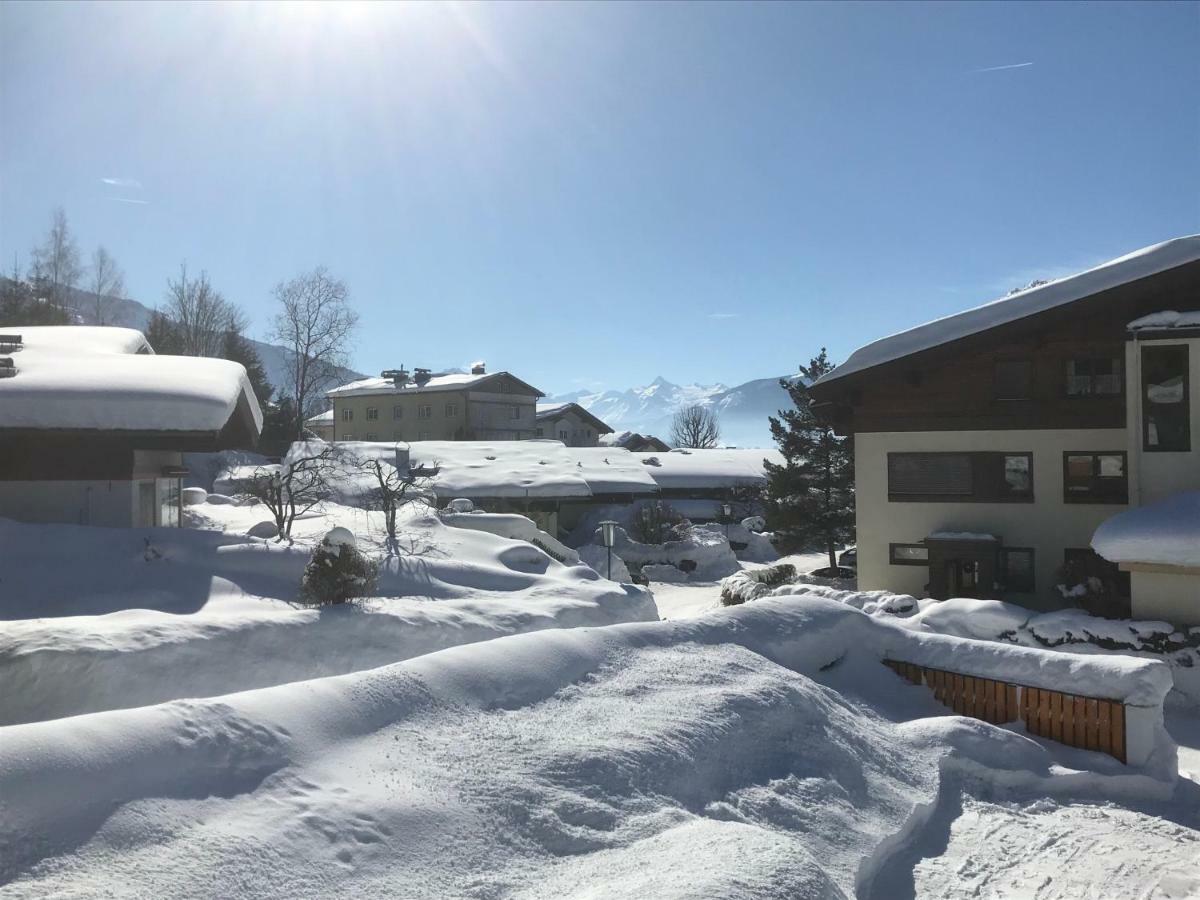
[(697, 758)]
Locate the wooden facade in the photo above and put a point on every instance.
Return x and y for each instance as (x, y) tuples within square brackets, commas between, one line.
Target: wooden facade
[(954, 386)]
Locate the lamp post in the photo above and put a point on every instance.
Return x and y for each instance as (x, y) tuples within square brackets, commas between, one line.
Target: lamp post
[(608, 533), (726, 511)]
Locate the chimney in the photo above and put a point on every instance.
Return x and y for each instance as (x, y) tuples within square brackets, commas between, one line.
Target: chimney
[(398, 376), (478, 368), (421, 376)]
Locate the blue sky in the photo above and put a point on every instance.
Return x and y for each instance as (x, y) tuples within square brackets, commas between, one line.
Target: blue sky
[(593, 195)]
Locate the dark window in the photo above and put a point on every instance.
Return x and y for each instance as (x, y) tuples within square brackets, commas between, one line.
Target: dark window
[(1166, 424), (1013, 379), (397, 411), (908, 554), (961, 477), (372, 436), (1095, 477), (1017, 569), (372, 413), (347, 415), (540, 432), (1094, 376), (1084, 564), (929, 474)]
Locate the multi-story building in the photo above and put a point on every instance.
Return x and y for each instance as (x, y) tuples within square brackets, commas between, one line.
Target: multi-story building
[(990, 445), (422, 406), (569, 423)]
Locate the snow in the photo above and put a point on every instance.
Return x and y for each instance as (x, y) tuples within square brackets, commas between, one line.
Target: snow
[(755, 752), (1131, 267), (1165, 533), (510, 525), (961, 536), (453, 381), (708, 469), (612, 470), (509, 469), (324, 418), (1165, 320), (82, 377)]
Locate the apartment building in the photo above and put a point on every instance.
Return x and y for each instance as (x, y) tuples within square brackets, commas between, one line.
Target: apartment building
[(422, 406), (990, 445)]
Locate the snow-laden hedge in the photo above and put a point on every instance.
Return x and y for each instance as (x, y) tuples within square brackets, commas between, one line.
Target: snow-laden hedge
[(516, 527)]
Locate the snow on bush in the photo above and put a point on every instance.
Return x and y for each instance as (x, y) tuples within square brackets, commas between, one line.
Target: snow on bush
[(337, 571), (750, 584), (699, 555), (512, 526), (747, 545)]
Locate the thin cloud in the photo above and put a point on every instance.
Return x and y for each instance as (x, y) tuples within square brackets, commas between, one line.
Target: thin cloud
[(723, 315), (1002, 68), (123, 183), (131, 200)]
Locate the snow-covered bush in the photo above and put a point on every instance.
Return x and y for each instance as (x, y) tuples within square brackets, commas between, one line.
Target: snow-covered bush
[(337, 571), (514, 526), (746, 544), (751, 584), (698, 554), (653, 522)]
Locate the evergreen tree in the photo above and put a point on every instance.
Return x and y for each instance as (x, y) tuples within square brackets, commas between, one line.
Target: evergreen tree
[(810, 498), (236, 348), (163, 336)]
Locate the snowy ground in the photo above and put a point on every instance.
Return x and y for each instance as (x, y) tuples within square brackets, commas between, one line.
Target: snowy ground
[(686, 600), (496, 724)]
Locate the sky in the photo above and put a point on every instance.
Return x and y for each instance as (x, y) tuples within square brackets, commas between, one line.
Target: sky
[(593, 195)]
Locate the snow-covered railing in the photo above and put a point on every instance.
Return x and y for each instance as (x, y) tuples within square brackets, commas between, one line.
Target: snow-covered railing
[(1112, 704)]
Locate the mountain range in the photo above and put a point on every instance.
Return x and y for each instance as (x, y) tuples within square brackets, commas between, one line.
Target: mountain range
[(742, 411)]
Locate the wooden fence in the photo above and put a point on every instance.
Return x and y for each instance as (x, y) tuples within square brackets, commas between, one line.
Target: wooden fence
[(1090, 723)]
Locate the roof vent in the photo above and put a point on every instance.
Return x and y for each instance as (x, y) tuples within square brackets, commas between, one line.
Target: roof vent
[(421, 376), (7, 369), (399, 377), (478, 368)]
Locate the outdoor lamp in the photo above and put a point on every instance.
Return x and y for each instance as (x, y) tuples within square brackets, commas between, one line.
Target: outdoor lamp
[(726, 510), (608, 531)]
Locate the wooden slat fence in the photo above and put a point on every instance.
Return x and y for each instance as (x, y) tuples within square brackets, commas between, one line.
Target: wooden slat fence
[(1090, 723)]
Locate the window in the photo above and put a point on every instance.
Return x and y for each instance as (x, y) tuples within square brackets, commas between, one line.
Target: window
[(562, 436), (539, 432), (961, 477), (397, 411), (908, 554), (1166, 423), (1012, 379), (347, 415), (347, 436), (168, 502), (1095, 477), (451, 410), (425, 411), (372, 413), (1016, 569), (929, 474), (1096, 376), (423, 435), (589, 432), (516, 412)]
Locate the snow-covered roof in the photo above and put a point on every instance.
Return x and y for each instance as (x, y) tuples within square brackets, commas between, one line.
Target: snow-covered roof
[(1164, 533), (320, 418), (1165, 320), (550, 409), (1131, 267), (613, 470), (553, 410), (450, 381), (82, 377), (511, 469), (699, 469)]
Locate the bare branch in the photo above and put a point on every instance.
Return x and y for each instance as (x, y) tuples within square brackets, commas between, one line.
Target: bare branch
[(695, 427), (200, 315), (106, 283)]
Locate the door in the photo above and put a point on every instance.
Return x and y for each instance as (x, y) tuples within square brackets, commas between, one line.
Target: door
[(962, 577), (146, 505)]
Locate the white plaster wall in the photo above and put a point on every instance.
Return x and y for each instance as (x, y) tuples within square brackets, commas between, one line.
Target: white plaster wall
[(1161, 474), (1174, 598), (109, 503), (1048, 525)]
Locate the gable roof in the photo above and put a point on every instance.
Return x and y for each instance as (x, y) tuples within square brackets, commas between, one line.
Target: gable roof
[(75, 377), (1131, 267), (546, 411), (447, 381)]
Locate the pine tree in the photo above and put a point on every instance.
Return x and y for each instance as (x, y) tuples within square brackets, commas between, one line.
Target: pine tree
[(236, 348), (810, 498), (163, 336)]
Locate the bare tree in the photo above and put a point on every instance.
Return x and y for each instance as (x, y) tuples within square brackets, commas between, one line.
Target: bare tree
[(695, 427), (106, 282), (296, 486), (394, 488), (314, 324), (54, 264), (200, 315)]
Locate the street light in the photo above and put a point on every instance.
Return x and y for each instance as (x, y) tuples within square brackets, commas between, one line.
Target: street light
[(726, 511), (608, 533)]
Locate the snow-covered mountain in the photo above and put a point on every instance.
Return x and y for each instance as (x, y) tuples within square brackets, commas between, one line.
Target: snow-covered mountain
[(742, 410)]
